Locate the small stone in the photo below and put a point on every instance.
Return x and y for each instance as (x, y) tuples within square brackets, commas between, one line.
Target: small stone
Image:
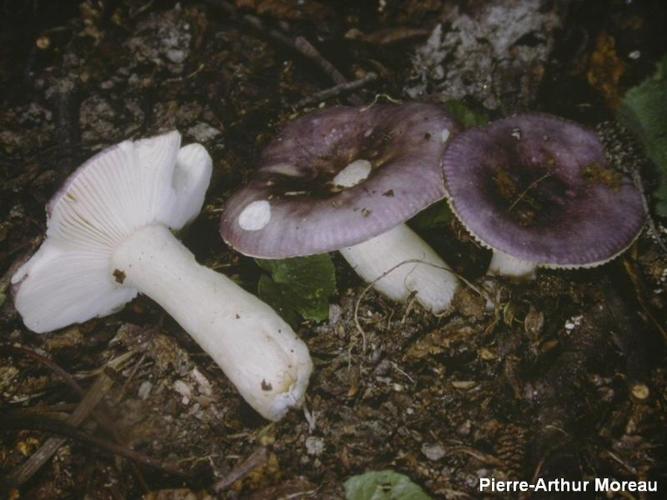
[(573, 322), (433, 451), (43, 42), (203, 132), (640, 392), (145, 390), (335, 313), (486, 354), (176, 56), (184, 390), (202, 382), (314, 446)]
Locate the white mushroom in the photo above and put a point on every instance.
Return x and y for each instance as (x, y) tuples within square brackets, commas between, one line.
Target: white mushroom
[(108, 238)]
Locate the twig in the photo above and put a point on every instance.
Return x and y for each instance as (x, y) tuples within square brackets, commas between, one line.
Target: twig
[(484, 458), (101, 417), (67, 429), (94, 395), (298, 44), (337, 90), (525, 191), (257, 458), (55, 367), (308, 50), (130, 377)]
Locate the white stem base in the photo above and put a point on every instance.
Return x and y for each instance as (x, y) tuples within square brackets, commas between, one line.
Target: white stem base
[(434, 286), (505, 265), (257, 350)]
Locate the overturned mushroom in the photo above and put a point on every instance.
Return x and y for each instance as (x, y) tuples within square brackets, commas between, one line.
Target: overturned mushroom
[(346, 179), (538, 191), (108, 238)]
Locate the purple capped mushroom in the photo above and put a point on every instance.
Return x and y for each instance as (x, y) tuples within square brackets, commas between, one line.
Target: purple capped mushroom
[(347, 179), (109, 237), (538, 191)]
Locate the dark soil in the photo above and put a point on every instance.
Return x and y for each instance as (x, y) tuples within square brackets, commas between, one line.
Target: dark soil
[(563, 376)]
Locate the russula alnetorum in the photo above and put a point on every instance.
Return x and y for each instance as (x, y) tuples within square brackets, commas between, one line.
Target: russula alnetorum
[(538, 191), (109, 237), (346, 179)]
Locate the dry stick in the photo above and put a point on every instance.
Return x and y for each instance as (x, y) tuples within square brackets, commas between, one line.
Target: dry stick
[(336, 90), (52, 365), (485, 458), (392, 269), (94, 395), (100, 416), (299, 44), (257, 458), (308, 49), (69, 430), (127, 382), (525, 192)]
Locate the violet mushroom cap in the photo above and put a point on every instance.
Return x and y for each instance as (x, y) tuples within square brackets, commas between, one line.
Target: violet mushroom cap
[(538, 190), (346, 178), (108, 238)]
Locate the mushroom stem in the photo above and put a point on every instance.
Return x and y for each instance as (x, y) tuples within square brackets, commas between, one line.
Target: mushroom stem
[(433, 284), (256, 349), (505, 265)]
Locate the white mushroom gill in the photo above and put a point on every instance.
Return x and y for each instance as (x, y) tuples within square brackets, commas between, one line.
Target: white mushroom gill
[(108, 238), (393, 253)]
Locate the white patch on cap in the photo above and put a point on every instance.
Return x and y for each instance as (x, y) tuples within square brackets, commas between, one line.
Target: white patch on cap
[(255, 216), (444, 135), (353, 174), (283, 169)]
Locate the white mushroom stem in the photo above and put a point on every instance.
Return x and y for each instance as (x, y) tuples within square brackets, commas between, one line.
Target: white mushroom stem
[(256, 349), (505, 265), (399, 248)]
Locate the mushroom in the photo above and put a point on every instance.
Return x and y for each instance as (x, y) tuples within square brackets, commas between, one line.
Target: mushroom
[(109, 237), (346, 179), (538, 191)]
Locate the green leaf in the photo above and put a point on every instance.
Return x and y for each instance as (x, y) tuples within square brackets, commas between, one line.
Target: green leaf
[(278, 297), (466, 114), (644, 111), (3, 297), (298, 287), (436, 216), (383, 485)]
